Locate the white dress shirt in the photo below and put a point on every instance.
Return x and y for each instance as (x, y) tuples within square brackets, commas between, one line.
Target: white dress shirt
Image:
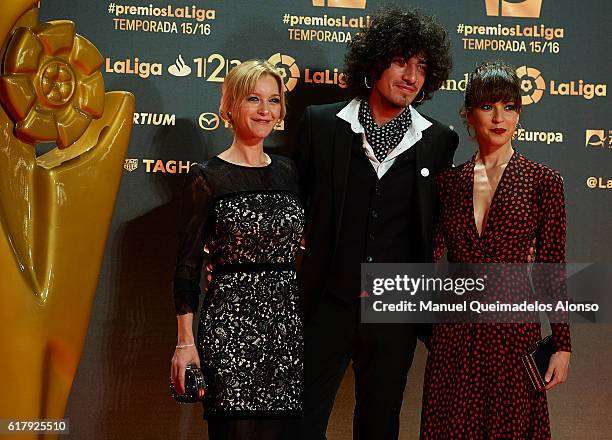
[(350, 114)]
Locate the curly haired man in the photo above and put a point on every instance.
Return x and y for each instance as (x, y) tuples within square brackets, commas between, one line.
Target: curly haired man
[(367, 172)]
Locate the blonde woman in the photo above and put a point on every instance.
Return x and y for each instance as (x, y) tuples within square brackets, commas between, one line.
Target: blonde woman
[(243, 208)]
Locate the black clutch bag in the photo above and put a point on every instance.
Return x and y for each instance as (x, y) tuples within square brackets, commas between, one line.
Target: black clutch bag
[(194, 386), (536, 361)]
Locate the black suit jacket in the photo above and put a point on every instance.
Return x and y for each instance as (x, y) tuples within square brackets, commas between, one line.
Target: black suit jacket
[(322, 158)]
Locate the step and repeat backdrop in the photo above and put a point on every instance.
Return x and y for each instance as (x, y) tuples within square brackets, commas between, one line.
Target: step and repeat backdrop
[(173, 56)]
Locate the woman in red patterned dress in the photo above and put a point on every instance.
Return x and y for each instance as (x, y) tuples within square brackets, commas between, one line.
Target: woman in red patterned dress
[(492, 209)]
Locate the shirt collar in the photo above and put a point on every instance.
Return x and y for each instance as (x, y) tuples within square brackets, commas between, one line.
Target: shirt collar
[(350, 114)]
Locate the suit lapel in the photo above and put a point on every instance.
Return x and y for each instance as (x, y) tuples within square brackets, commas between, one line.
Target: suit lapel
[(424, 161), (344, 138)]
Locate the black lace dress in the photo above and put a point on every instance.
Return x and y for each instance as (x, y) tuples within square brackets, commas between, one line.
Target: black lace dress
[(250, 222)]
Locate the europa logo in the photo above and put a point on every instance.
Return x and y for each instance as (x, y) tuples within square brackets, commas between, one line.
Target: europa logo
[(354, 4), (508, 8), (533, 86)]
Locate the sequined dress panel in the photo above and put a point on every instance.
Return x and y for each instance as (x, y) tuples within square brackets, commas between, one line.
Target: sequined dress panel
[(250, 221)]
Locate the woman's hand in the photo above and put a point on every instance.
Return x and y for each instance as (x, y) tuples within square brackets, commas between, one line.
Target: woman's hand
[(182, 357), (557, 369)]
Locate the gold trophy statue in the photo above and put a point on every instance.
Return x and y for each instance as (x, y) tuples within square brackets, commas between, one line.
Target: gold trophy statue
[(55, 209)]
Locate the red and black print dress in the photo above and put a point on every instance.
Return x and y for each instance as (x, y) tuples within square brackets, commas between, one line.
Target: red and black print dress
[(475, 385)]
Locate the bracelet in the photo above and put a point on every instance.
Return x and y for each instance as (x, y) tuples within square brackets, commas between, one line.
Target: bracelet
[(184, 346)]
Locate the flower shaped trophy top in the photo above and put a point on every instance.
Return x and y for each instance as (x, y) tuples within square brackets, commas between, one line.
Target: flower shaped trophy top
[(52, 87)]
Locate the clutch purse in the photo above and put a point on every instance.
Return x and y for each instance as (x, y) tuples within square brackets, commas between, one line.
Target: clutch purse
[(536, 361), (194, 386)]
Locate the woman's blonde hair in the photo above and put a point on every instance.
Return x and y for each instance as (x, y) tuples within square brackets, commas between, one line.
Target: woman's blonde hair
[(241, 81)]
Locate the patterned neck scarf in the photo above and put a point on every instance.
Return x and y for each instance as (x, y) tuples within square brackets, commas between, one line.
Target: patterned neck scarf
[(383, 139)]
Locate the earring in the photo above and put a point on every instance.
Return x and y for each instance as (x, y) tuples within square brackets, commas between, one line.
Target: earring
[(365, 80), (422, 98), (473, 136), (516, 129)]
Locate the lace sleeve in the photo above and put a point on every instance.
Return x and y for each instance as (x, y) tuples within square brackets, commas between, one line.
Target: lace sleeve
[(196, 205)]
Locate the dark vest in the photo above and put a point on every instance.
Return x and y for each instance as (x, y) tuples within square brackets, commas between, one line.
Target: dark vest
[(378, 221)]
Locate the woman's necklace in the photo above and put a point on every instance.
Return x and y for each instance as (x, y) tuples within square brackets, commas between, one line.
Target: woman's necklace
[(498, 165), (262, 163)]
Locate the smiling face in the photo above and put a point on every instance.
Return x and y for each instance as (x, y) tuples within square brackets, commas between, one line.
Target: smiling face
[(492, 103), (258, 112), (493, 123), (400, 83)]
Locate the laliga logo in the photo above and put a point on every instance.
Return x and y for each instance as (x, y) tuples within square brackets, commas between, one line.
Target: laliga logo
[(354, 4), (134, 67), (533, 87), (532, 84), (286, 63), (522, 8)]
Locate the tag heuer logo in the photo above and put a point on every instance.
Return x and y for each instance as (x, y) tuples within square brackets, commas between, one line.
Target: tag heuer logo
[(130, 164)]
